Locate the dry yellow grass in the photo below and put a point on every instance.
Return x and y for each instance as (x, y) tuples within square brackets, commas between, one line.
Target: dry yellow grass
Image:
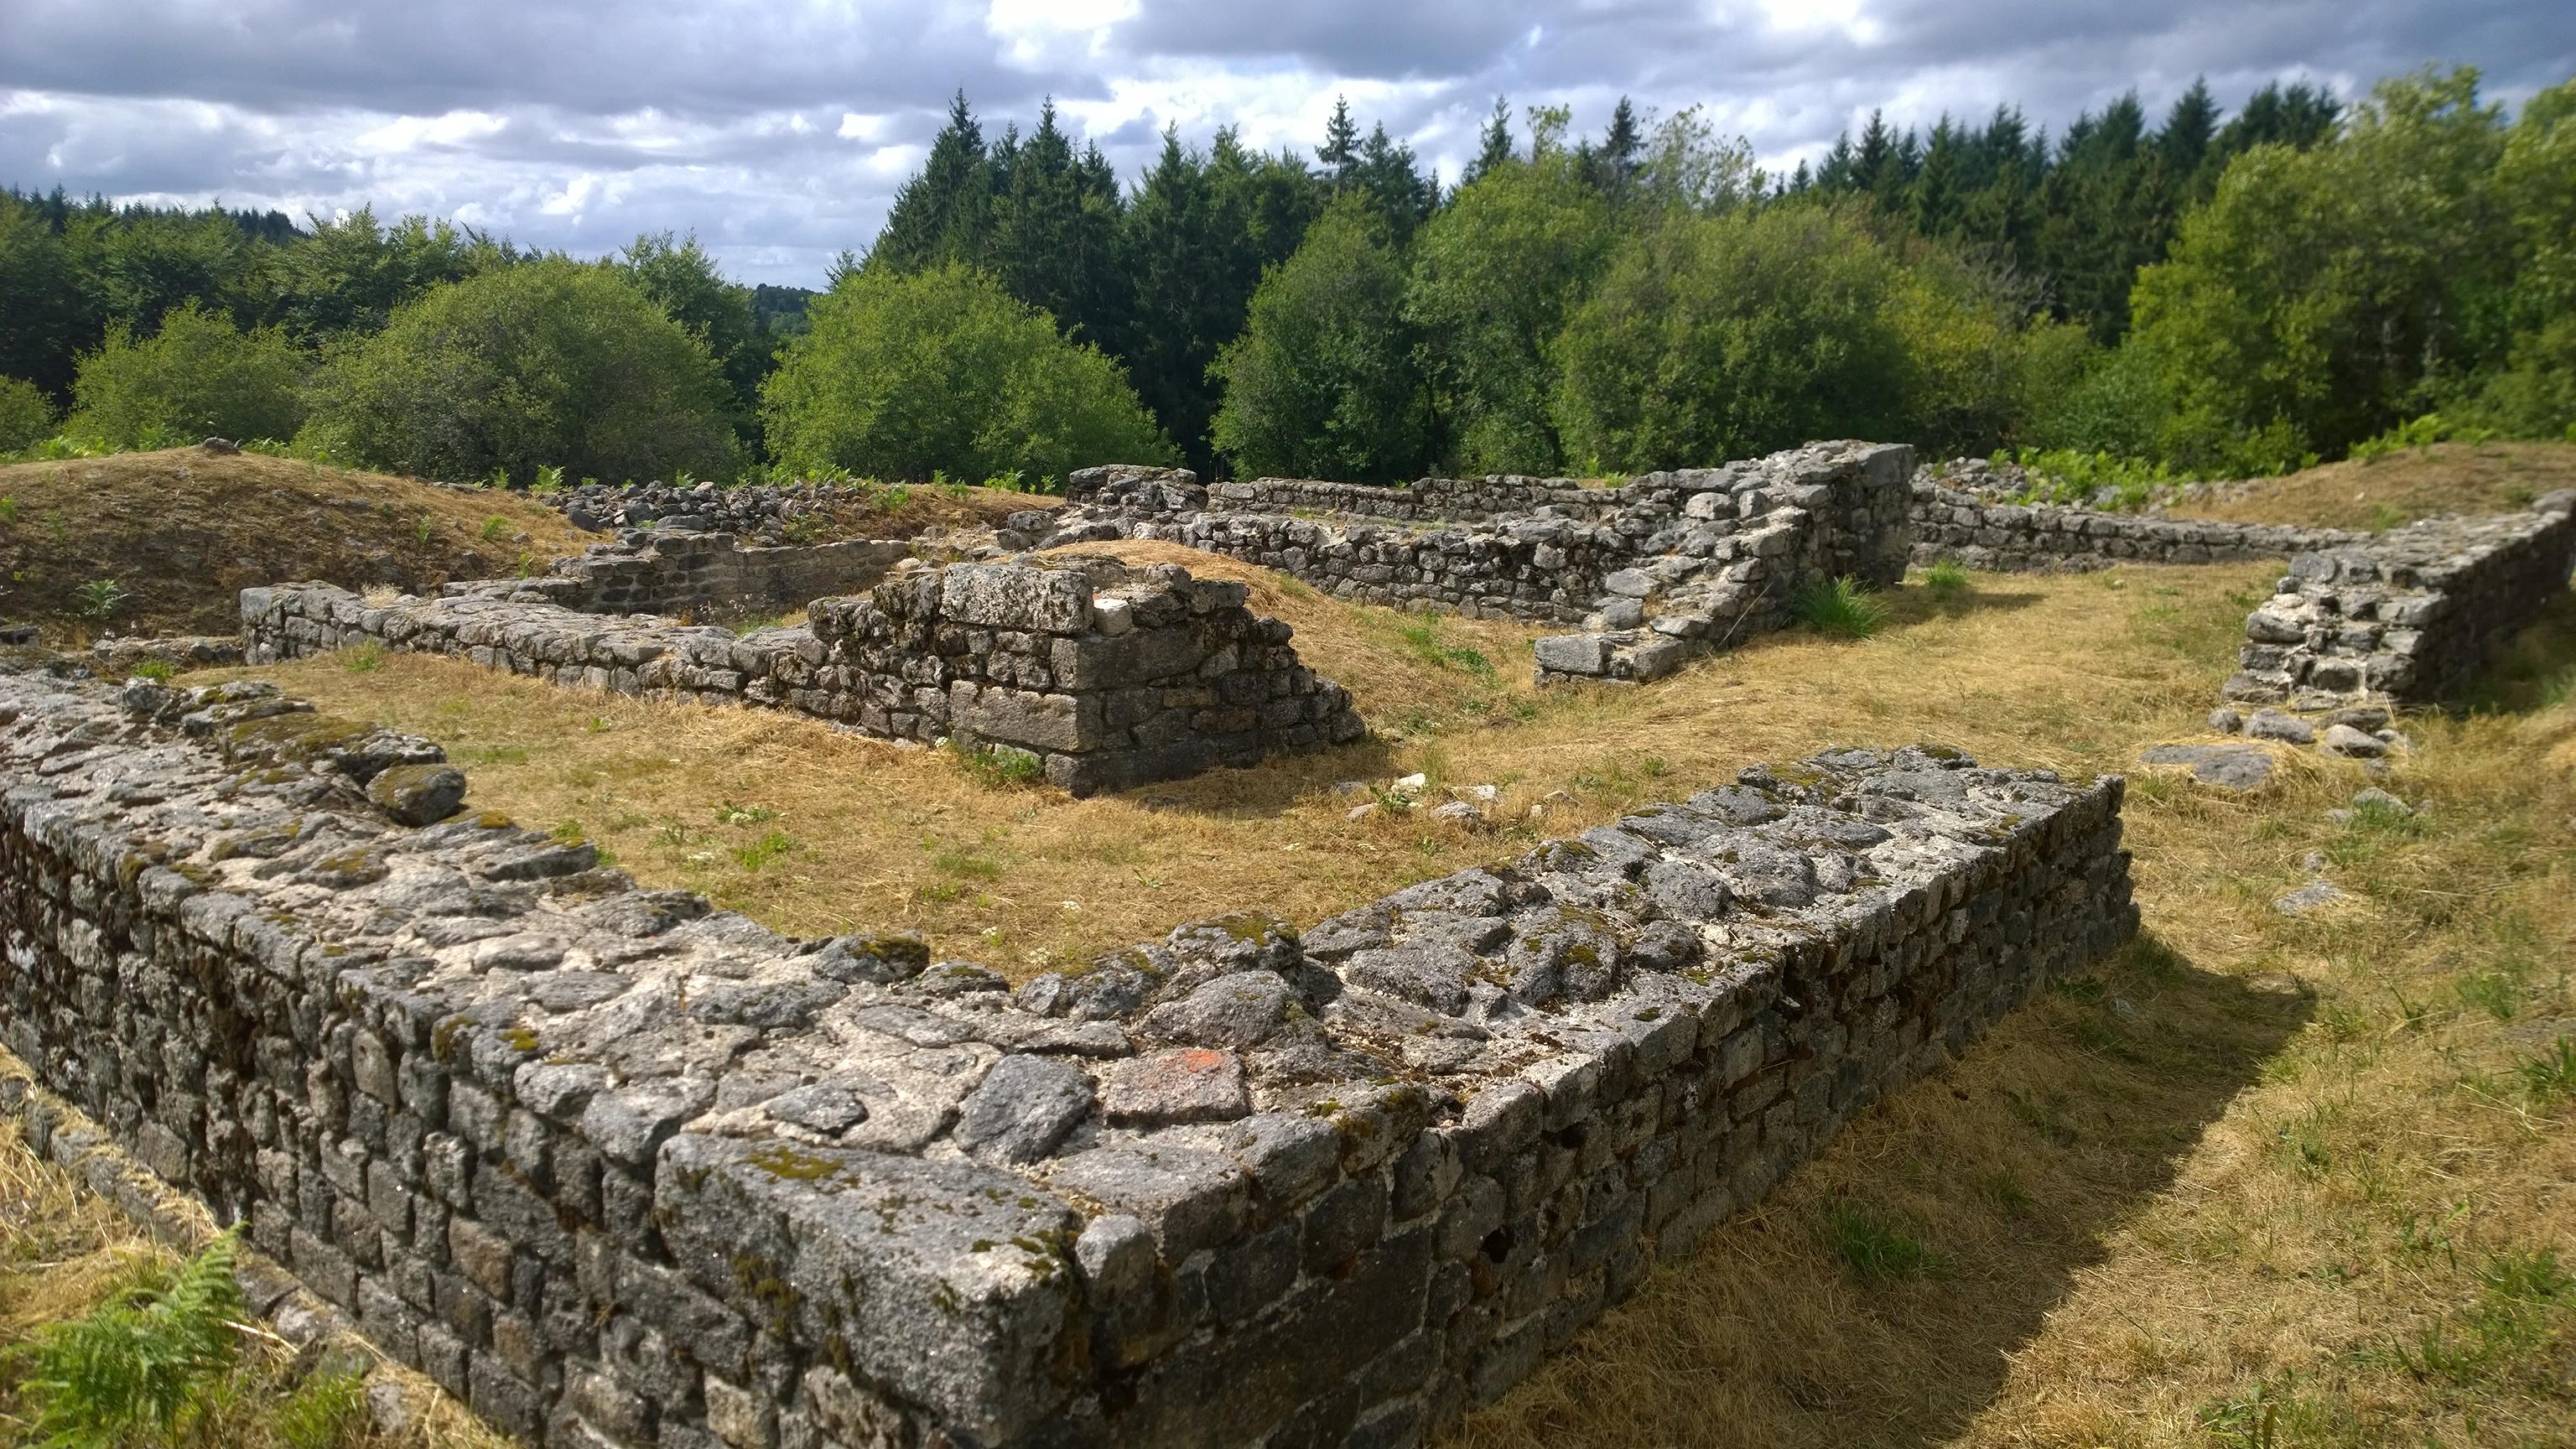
[(2259, 1181), (2415, 483)]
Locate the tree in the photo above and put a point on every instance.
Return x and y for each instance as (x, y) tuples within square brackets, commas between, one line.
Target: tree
[(350, 274), (680, 276), (26, 415), (1341, 149), (2535, 393), (551, 362), (1493, 277), (901, 376), (2324, 296), (1054, 230), (1323, 381), (944, 213), (44, 322), (1727, 337), (198, 376), (1494, 146)]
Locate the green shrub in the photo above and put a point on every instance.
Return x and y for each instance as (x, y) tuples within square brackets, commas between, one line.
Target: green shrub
[(2063, 475), (1947, 579), (942, 371), (149, 1362), (26, 415), (1324, 382), (1728, 337), (99, 599), (1841, 608), (551, 362), (199, 376)]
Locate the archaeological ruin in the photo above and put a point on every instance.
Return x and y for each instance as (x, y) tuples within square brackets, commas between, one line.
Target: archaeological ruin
[(617, 1168)]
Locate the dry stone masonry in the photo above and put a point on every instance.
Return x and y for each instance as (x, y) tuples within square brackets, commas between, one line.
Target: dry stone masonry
[(1662, 568), (1101, 674), (2403, 616), (624, 1171), (1981, 533), (704, 575)]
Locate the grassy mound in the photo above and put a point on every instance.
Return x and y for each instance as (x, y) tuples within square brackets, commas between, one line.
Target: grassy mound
[(162, 543), (2382, 492)]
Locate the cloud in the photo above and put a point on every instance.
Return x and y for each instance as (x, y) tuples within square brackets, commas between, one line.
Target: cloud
[(780, 129)]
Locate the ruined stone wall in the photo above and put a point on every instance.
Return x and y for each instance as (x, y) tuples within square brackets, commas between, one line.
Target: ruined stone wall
[(704, 575), (2404, 616), (1427, 500), (2046, 538), (620, 1170), (1105, 675), (1664, 567)]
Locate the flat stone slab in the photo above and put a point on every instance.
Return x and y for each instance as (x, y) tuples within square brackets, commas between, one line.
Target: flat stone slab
[(2242, 769)]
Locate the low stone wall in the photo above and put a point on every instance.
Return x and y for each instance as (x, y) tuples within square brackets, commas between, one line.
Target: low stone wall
[(1657, 570), (1105, 675), (623, 1171), (2404, 616), (707, 575), (2045, 538)]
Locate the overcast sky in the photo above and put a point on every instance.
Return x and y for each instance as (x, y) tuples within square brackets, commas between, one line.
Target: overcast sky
[(779, 129)]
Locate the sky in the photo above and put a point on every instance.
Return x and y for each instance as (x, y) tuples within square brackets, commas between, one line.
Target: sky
[(779, 130)]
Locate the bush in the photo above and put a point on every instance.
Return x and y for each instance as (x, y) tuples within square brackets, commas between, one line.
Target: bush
[(26, 417), (1323, 381), (199, 376), (553, 362), (941, 371), (1733, 336)]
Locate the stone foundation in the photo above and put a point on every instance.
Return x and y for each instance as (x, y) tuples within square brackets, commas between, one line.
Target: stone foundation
[(2404, 616), (1101, 675), (702, 575), (2046, 538), (623, 1171), (1656, 571)]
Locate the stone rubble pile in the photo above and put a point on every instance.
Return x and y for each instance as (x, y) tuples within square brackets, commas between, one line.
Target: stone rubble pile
[(621, 1170), (704, 575), (1100, 675)]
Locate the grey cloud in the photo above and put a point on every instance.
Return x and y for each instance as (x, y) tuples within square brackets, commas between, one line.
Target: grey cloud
[(683, 115)]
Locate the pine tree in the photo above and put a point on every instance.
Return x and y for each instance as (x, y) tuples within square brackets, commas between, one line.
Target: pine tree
[(1341, 149), (1614, 165), (945, 212), (1495, 148), (1389, 174)]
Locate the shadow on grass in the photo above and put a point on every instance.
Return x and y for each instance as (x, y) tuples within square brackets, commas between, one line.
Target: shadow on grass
[(1877, 1297), (2535, 670)]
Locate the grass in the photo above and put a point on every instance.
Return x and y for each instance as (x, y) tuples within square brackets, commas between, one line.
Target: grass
[(107, 1336), (2376, 494), (163, 542), (2272, 1178), (1841, 608)]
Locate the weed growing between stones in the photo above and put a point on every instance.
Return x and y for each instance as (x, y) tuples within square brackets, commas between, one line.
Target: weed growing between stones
[(1841, 609)]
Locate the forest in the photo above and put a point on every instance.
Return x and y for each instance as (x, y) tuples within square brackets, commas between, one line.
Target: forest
[(2209, 293)]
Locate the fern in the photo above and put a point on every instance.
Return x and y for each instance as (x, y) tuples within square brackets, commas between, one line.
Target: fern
[(151, 1358)]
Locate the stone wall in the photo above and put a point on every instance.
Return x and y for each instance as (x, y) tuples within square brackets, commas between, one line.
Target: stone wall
[(705, 575), (1105, 675), (2404, 616), (1661, 568), (623, 1171), (2046, 538)]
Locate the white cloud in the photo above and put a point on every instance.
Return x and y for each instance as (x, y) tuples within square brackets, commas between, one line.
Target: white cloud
[(780, 129)]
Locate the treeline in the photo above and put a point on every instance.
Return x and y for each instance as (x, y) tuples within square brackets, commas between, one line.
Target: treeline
[(2221, 293)]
